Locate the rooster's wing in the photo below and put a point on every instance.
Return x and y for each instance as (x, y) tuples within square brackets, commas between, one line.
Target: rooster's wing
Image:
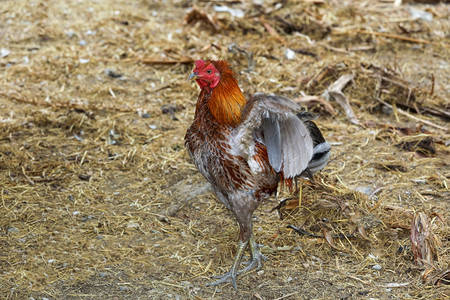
[(272, 120)]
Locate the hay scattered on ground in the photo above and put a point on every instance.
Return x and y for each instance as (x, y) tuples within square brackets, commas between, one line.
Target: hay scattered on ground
[(99, 198)]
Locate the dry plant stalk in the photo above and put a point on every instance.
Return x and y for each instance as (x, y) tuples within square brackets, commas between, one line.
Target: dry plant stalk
[(312, 100), (273, 32), (392, 36), (335, 91), (423, 241)]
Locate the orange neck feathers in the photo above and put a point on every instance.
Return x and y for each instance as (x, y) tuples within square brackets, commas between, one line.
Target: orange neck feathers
[(226, 101)]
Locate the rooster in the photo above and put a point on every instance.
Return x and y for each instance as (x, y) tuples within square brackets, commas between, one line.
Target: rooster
[(245, 148)]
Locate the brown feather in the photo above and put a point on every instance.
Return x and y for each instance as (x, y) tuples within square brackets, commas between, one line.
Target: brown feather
[(226, 101)]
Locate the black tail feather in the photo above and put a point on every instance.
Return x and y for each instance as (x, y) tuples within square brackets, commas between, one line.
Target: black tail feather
[(321, 152)]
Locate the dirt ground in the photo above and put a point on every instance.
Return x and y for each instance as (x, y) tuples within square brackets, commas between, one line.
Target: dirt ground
[(98, 197)]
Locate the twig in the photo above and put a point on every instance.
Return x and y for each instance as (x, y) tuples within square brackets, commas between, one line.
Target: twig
[(26, 176), (202, 272), (158, 61), (414, 117), (392, 36), (394, 284), (302, 231), (432, 84), (358, 279), (311, 99), (287, 295), (376, 191), (273, 32), (64, 104), (319, 76)]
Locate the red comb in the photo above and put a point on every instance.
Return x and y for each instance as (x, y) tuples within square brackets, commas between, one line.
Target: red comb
[(199, 63)]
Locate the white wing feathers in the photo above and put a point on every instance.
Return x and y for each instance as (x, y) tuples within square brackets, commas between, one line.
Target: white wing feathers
[(296, 146), (272, 140), (287, 139)]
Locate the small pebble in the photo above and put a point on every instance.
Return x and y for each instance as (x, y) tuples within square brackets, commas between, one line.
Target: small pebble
[(4, 52), (420, 14), (364, 189), (146, 116), (372, 256), (132, 225), (289, 54), (79, 138), (376, 267), (13, 230), (387, 110), (112, 73), (70, 33), (419, 181)]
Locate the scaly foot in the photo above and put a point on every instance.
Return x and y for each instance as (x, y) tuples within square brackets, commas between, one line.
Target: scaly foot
[(231, 275), (256, 257), (227, 277)]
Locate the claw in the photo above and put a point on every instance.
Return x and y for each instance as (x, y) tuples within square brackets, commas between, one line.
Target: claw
[(254, 263), (231, 275), (227, 277), (256, 259)]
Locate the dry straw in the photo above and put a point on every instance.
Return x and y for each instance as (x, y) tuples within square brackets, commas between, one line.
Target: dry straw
[(98, 198)]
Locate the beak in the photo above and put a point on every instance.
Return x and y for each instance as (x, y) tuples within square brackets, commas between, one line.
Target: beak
[(193, 75)]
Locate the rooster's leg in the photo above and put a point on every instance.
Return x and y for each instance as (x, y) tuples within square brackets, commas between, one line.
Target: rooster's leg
[(256, 257), (230, 276)]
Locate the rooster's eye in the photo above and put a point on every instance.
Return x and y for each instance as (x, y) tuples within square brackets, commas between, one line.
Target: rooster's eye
[(208, 72)]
